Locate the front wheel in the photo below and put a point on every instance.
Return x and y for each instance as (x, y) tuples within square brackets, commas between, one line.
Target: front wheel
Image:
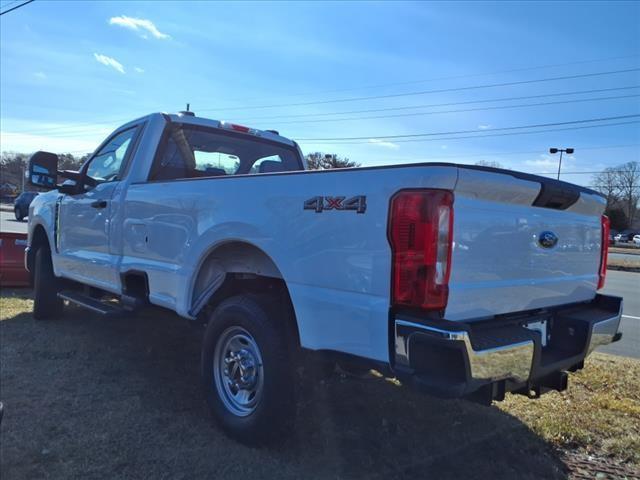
[(46, 303), (18, 214), (247, 370)]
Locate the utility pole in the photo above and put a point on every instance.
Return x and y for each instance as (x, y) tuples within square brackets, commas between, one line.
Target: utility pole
[(561, 150)]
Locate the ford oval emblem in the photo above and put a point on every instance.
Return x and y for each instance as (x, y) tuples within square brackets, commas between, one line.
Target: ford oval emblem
[(547, 239)]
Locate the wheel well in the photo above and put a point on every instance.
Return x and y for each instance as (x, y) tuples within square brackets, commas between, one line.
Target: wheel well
[(230, 257), (239, 267), (38, 240), (235, 284)]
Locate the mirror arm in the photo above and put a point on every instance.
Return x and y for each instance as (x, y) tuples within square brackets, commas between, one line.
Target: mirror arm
[(70, 174), (78, 177)]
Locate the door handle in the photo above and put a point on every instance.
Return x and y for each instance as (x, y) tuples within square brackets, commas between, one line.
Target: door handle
[(99, 204)]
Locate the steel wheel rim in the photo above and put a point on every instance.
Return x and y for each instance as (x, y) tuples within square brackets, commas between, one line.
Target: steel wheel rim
[(238, 372)]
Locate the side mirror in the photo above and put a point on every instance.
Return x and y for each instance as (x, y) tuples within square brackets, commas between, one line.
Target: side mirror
[(43, 170)]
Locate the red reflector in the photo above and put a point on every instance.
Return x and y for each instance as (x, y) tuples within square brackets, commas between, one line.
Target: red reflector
[(604, 250), (240, 128), (421, 233)]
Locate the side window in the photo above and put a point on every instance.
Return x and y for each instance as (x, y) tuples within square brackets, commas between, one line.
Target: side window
[(107, 164)]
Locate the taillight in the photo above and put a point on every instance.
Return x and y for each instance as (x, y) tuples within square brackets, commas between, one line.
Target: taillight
[(604, 250), (421, 235)]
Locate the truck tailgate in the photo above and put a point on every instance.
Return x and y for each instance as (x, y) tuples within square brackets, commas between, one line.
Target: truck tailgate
[(500, 261)]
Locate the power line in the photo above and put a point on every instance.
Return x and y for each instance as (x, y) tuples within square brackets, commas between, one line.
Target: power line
[(430, 134), (478, 109), (68, 135), (78, 128), (448, 104), (420, 93), (455, 77), (424, 92), (80, 125), (371, 140), (16, 7)]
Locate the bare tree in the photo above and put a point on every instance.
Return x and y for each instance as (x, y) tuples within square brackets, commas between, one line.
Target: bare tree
[(489, 163), (321, 161), (628, 179), (606, 182), (13, 165), (621, 186)]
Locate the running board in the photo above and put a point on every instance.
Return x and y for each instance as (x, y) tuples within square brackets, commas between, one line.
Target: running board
[(90, 303)]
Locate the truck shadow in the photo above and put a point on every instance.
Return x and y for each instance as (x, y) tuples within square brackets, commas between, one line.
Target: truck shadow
[(96, 397)]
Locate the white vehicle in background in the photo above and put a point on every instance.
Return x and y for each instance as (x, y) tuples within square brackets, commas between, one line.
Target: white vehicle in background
[(636, 240), (464, 281)]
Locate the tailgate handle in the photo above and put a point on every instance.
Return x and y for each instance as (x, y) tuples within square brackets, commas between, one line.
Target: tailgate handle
[(99, 204)]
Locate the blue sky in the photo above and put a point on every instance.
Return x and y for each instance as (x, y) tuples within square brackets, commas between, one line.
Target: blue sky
[(70, 72)]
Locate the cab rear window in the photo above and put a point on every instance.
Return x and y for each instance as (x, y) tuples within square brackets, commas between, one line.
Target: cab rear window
[(194, 152)]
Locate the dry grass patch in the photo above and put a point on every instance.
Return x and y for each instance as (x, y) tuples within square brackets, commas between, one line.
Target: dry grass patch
[(14, 302), (599, 413)]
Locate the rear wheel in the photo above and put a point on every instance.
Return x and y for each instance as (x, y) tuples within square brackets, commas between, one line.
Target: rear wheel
[(18, 214), (46, 303), (247, 370)]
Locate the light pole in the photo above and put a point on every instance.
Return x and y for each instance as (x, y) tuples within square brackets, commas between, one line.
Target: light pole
[(561, 150)]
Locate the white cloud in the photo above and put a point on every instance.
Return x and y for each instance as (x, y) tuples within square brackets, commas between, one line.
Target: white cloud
[(139, 70), (382, 143), (549, 162), (140, 25), (484, 126), (109, 62), (40, 75)]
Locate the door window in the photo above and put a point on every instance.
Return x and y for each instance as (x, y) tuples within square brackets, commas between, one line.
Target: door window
[(107, 164)]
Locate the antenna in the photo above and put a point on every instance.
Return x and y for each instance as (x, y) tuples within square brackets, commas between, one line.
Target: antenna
[(187, 112)]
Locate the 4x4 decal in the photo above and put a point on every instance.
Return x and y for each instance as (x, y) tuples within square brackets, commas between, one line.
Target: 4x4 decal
[(320, 204)]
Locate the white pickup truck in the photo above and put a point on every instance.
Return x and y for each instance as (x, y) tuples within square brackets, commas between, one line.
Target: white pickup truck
[(464, 281)]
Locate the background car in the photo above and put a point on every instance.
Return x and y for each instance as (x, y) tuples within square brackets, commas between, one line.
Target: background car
[(21, 204), (625, 235), (636, 240), (612, 236)]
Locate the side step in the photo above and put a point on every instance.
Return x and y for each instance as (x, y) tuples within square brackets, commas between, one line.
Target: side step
[(90, 303)]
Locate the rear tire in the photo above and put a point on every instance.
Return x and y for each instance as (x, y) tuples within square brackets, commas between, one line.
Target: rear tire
[(18, 213), (247, 370), (46, 303)]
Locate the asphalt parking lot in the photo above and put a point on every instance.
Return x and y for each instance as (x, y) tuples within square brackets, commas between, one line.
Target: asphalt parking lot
[(8, 222)]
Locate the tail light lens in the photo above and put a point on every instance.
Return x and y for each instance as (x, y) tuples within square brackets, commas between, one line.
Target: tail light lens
[(604, 250), (421, 233)]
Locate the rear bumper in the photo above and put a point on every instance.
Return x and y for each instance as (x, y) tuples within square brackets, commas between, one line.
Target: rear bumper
[(454, 359)]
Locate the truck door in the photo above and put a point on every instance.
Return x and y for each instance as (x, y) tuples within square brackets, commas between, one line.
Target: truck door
[(84, 219)]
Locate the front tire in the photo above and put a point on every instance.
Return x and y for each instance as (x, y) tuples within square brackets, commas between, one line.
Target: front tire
[(46, 303), (247, 370), (18, 214)]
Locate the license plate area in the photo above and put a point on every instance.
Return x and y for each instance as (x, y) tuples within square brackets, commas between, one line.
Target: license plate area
[(540, 326)]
